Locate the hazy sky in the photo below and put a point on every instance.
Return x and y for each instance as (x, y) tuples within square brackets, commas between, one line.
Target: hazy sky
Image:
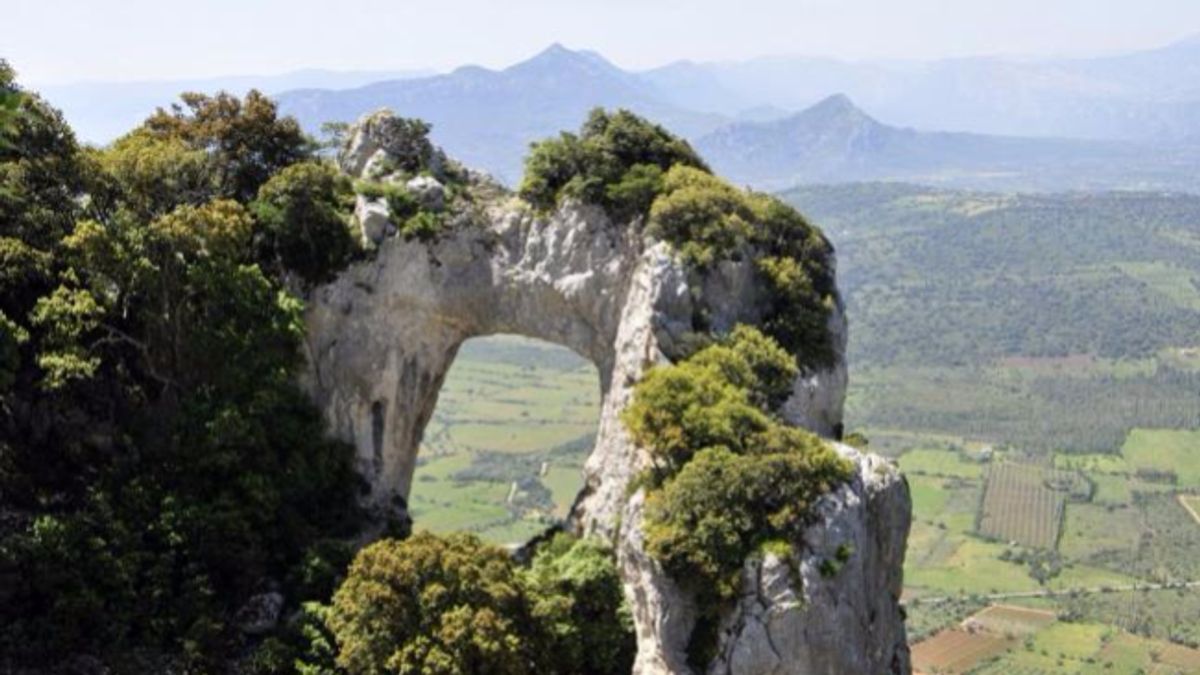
[(53, 41)]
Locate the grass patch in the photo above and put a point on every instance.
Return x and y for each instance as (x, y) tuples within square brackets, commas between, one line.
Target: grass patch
[(1166, 451)]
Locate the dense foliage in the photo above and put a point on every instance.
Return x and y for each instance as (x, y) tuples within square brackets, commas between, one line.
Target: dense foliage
[(728, 476), (302, 213), (157, 463), (617, 161), (454, 605), (634, 168)]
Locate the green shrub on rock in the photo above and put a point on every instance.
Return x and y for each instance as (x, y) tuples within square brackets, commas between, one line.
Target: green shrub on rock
[(616, 162), (632, 168), (303, 213), (728, 477)]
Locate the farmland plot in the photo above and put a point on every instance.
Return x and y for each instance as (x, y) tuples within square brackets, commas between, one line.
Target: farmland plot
[(1024, 503), (956, 651)]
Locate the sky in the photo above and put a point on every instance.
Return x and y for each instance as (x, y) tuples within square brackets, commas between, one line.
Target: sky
[(58, 41)]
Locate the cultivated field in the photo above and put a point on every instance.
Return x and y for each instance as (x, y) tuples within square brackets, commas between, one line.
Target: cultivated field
[(1014, 640), (1011, 620), (956, 651), (503, 454), (1024, 503), (1170, 452)]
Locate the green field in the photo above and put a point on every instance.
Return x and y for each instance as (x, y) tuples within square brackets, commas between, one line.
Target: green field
[(1168, 451), (503, 454), (1011, 639)]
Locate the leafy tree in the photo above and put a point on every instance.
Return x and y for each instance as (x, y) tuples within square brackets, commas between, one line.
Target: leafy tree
[(579, 606), (246, 139), (10, 103), (302, 212), (157, 456), (431, 605), (156, 173)]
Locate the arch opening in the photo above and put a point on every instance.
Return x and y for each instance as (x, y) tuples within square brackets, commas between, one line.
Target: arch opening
[(503, 453)]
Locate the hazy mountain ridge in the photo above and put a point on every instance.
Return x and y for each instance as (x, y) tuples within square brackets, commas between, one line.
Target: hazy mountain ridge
[(489, 117), (1142, 95), (741, 115), (835, 141), (101, 111)]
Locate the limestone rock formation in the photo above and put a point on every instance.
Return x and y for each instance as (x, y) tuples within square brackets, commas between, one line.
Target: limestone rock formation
[(382, 337)]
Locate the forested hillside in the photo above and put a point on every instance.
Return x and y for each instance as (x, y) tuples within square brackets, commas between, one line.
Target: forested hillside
[(1057, 321)]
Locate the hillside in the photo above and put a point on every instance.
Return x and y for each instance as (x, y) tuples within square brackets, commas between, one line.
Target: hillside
[(1068, 318), (835, 141)]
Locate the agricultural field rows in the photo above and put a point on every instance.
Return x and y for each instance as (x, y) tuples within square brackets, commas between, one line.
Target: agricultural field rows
[(1024, 503), (1006, 639)]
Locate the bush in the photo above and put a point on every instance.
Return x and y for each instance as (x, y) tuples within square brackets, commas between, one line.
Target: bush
[(580, 610), (431, 605), (707, 220), (424, 226), (302, 212), (704, 522), (616, 161), (456, 605), (728, 478)]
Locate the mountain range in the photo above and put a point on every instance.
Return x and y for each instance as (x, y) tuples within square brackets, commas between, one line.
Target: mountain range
[(1146, 95), (101, 111), (1126, 122), (834, 141), (488, 118)]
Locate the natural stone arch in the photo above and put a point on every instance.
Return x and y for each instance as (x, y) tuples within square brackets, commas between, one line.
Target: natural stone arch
[(382, 337)]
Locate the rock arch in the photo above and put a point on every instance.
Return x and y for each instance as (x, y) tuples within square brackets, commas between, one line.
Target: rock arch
[(382, 337)]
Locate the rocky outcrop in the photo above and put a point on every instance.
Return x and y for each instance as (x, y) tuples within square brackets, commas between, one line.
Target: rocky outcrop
[(382, 337), (832, 605)]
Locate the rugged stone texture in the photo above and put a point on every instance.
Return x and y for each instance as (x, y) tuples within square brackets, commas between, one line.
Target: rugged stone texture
[(382, 337), (817, 614)]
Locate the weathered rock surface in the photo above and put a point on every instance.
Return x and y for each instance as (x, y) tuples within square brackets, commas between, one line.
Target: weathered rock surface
[(382, 337), (833, 607)]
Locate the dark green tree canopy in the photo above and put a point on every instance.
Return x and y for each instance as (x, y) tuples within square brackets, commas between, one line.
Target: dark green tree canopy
[(158, 457)]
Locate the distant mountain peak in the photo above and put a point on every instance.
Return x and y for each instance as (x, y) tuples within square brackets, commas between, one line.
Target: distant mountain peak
[(838, 105), (837, 110), (556, 57)]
